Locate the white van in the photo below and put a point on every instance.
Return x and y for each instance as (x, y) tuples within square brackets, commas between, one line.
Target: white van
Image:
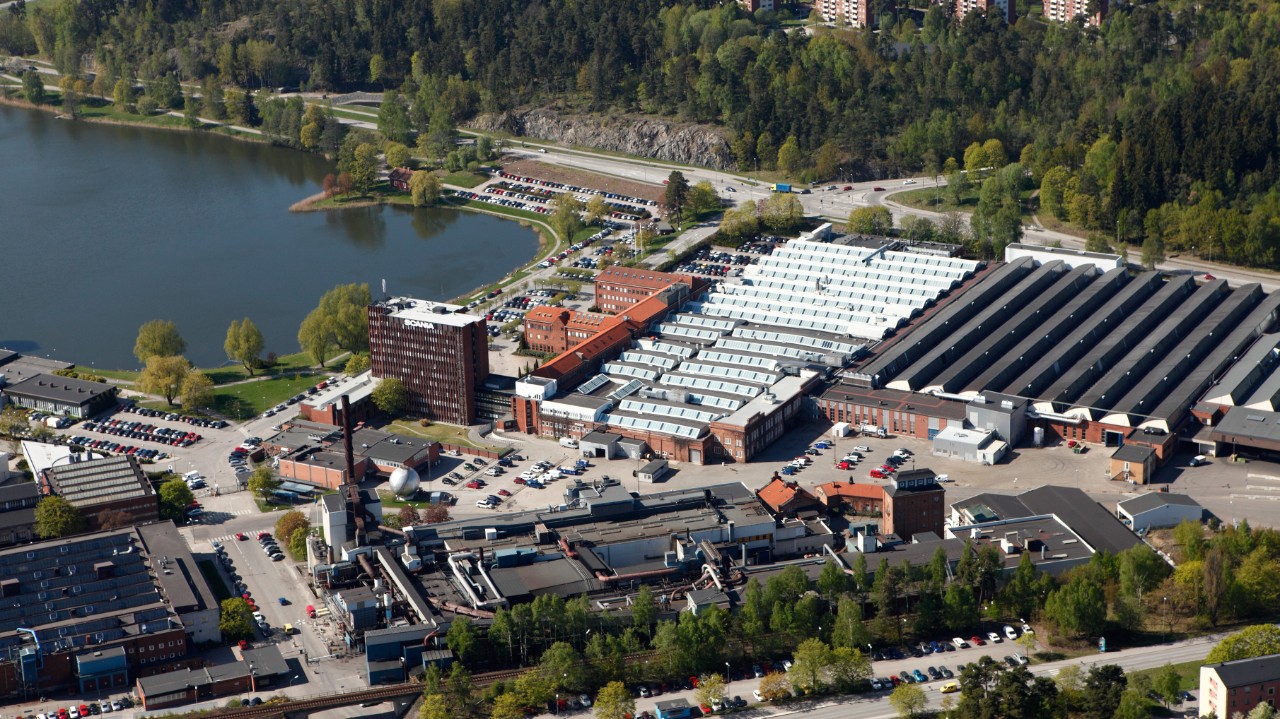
[(192, 476), (569, 442)]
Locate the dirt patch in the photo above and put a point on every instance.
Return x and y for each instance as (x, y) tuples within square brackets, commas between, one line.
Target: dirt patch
[(582, 178)]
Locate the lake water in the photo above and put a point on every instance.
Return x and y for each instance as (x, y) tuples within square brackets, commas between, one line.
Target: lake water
[(103, 228)]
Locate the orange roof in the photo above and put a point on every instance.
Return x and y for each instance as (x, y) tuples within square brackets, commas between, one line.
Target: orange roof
[(851, 489), (645, 311), (585, 351), (549, 314), (778, 493)]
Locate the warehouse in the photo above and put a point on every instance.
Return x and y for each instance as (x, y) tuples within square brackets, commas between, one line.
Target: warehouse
[(61, 395), (1156, 510), (1103, 357)]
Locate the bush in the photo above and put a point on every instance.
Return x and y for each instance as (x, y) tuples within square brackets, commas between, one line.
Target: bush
[(148, 106)]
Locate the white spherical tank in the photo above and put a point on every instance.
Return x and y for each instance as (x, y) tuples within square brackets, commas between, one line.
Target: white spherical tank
[(404, 482)]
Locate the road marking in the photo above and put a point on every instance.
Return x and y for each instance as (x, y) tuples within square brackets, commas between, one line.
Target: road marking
[(1270, 497), (1261, 488), (1266, 477)]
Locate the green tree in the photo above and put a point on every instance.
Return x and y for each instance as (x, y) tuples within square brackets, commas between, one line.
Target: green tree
[(358, 363), (244, 344), (676, 193), (290, 522), (174, 497), (316, 338), (397, 154), (789, 156), (462, 638), (1189, 534), (644, 610), (711, 689), (390, 395), (263, 482), (158, 338), (1141, 569), (614, 701), (775, 686), (33, 87), (164, 376), (870, 220), (1168, 684), (702, 198), (363, 168), (812, 661), (566, 216), (908, 700), (298, 545), (122, 95), (833, 581), (1255, 641), (741, 222), (197, 392), (236, 620), (1103, 688), (56, 517), (562, 667), (849, 667), (340, 321), (424, 188), (1262, 711), (781, 212), (393, 119), (377, 67), (1052, 188), (849, 630)]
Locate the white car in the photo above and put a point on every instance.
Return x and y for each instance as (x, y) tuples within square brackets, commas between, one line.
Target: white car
[(994, 638), (1026, 629), (1010, 632), (786, 665), (74, 712), (909, 182), (862, 448), (528, 474), (257, 617), (756, 693), (1021, 660), (584, 700), (960, 643), (484, 504)]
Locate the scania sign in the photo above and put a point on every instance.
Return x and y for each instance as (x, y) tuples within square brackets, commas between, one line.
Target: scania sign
[(420, 324)]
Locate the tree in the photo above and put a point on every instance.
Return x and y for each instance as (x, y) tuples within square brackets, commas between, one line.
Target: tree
[(197, 391), (424, 188), (114, 519), (1133, 705), (908, 700), (363, 168), (702, 198), (1052, 188), (711, 689), (562, 667), (158, 338), (435, 514), (644, 610), (236, 621), (1168, 684), (566, 217), (675, 193), (1079, 607), (298, 545), (1141, 569), (122, 95), (789, 156), (315, 337), (340, 320), (390, 395), (781, 212), (174, 498), (1103, 688), (357, 363), (56, 517), (462, 638), (393, 120), (1262, 711), (408, 516), (775, 686), (33, 87), (871, 220), (1255, 641), (263, 482), (740, 222), (164, 376), (596, 209), (812, 660), (614, 701), (291, 522), (833, 581), (433, 706), (244, 344), (377, 67), (397, 154), (849, 629), (849, 667)]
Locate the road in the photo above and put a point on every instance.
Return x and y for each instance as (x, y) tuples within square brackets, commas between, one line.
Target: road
[(876, 705)]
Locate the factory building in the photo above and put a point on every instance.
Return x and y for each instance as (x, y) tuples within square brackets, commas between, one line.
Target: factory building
[(101, 487), (1095, 356)]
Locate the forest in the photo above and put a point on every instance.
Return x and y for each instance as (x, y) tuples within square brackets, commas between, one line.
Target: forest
[(1160, 124)]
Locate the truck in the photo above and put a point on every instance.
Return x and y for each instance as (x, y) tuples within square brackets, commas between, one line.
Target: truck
[(874, 431), (781, 187)]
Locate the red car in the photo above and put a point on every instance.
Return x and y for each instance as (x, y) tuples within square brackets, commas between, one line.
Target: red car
[(503, 493), (246, 596), (473, 485), (877, 189), (518, 480), (263, 535), (241, 536), (848, 188), (243, 644), (977, 641), (876, 474), (845, 465)]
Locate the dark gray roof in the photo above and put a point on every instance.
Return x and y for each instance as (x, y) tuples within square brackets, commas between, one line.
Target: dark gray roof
[(184, 585), (266, 660), (598, 437), (1133, 453), (1155, 500), (334, 502), (18, 491), (171, 682), (1245, 672), (1250, 424), (1084, 516), (53, 388), (98, 481)]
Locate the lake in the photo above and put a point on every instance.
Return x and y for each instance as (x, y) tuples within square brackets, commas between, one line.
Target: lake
[(104, 227)]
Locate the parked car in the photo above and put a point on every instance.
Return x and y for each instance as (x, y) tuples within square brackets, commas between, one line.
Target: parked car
[(960, 643), (1010, 632)]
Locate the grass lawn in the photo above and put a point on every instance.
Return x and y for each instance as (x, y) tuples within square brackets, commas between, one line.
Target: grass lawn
[(244, 401), (211, 575), (297, 361), (124, 375), (924, 199), (452, 434), (463, 179), (1189, 672), (350, 114)]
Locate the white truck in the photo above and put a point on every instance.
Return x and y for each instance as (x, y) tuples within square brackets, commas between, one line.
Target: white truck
[(872, 430)]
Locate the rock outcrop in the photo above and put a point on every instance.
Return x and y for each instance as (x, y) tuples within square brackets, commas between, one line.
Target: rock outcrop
[(686, 143)]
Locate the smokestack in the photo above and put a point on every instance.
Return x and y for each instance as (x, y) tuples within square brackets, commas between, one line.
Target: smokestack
[(346, 441)]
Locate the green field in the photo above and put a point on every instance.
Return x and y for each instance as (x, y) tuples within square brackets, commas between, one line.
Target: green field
[(463, 179), (1189, 672), (251, 399), (295, 362), (440, 433)]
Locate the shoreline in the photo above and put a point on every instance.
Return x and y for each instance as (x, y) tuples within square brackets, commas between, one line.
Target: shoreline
[(205, 125)]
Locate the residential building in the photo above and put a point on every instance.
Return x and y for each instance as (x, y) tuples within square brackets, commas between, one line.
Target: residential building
[(1231, 689), (1003, 8), (851, 12), (440, 354), (398, 178), (914, 503), (1069, 10), (103, 487), (61, 395), (753, 5)]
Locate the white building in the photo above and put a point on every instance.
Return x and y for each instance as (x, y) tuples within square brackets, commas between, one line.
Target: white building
[(1155, 510), (970, 445)]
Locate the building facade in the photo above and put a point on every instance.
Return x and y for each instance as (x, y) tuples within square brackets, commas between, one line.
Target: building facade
[(618, 288), (851, 12), (1002, 8), (914, 502), (439, 354), (1231, 689)]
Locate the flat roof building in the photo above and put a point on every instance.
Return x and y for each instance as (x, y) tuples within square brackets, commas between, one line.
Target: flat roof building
[(440, 354), (1157, 510), (61, 395), (1097, 526), (102, 487)]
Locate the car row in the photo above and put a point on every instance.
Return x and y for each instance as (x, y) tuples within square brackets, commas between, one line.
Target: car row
[(142, 431), (173, 417), (574, 188), (85, 710), (106, 445)]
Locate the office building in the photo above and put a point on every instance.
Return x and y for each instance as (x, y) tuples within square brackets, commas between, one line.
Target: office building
[(618, 287), (439, 353)]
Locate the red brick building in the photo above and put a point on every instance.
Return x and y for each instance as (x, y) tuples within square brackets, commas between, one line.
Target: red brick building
[(98, 487), (556, 329), (914, 502), (618, 288), (859, 498), (440, 354), (785, 498)]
